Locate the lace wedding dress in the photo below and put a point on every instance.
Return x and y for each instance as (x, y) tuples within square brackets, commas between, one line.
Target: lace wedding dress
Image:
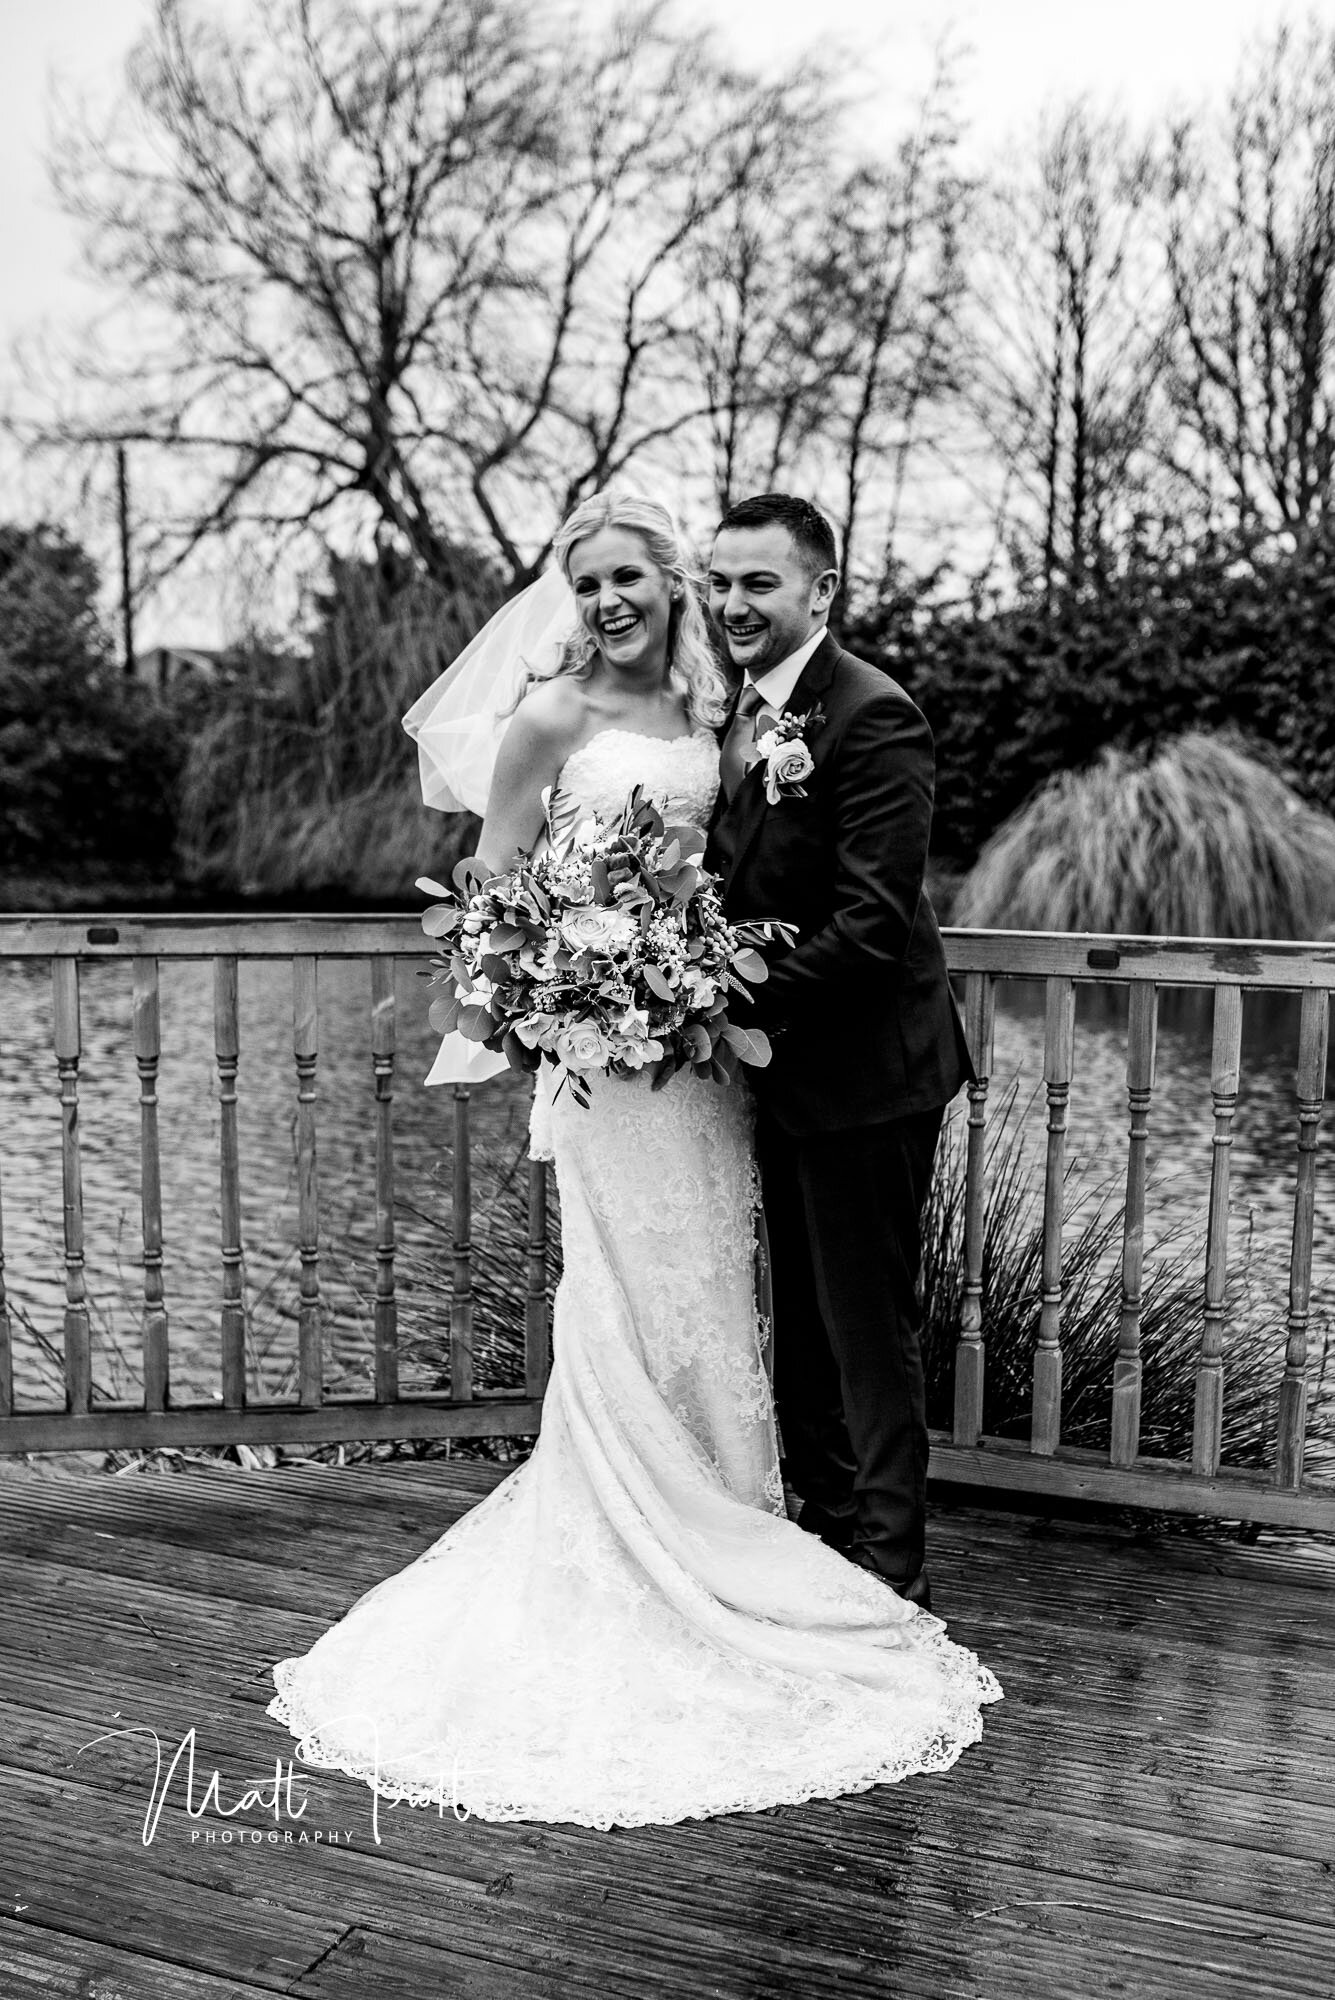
[(629, 1630)]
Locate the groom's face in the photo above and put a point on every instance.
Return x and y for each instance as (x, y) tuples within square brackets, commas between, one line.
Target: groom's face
[(763, 596)]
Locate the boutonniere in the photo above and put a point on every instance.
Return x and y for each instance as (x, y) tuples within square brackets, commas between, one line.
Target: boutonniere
[(785, 751)]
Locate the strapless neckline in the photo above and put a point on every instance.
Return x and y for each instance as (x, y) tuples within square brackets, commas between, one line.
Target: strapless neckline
[(638, 736)]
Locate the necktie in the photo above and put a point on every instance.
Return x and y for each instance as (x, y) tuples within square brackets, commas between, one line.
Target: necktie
[(739, 739)]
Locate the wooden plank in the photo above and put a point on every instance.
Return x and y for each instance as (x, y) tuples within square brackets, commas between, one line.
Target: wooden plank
[(1058, 1060), (38, 1963), (1107, 958), (1291, 1429), (68, 1046), (382, 1061), (276, 934), (371, 1959), (1071, 1474), (1224, 1070), (305, 1045), (227, 1054), (1141, 1023), (336, 1420), (537, 1331), (979, 1028), (147, 1051), (90, 1876), (461, 1271)]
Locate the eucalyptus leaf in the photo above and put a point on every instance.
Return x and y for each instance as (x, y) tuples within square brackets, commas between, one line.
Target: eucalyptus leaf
[(476, 1023)]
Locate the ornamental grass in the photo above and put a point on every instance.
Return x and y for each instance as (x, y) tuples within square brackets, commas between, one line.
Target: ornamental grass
[(1199, 838), (1172, 1316)]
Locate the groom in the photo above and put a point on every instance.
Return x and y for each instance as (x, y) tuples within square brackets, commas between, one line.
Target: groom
[(828, 831)]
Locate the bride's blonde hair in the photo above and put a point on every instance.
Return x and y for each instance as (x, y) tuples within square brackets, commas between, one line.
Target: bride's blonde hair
[(693, 669)]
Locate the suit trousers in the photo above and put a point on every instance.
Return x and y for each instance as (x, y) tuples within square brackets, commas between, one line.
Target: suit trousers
[(843, 1212)]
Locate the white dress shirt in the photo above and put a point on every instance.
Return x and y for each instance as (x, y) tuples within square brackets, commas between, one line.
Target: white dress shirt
[(776, 684)]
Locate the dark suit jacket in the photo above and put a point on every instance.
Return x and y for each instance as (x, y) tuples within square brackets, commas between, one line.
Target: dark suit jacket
[(862, 1019)]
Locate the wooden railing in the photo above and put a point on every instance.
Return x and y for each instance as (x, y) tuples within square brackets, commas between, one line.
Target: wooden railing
[(316, 1415), (1283, 1492), (1227, 970)]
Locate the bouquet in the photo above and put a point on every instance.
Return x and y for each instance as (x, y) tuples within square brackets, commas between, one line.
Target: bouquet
[(610, 956)]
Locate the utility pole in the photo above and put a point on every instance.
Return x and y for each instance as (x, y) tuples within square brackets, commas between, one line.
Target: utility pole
[(123, 519)]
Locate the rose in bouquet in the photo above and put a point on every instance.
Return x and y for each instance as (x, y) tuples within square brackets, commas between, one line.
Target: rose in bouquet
[(612, 955)]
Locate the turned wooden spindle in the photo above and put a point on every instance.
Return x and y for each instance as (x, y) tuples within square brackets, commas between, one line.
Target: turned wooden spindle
[(461, 1283), (979, 1024), (1225, 1058), (305, 1045), (68, 1047), (382, 1059), (1058, 1057), (227, 1055), (537, 1332), (147, 1052), (1313, 1036), (1140, 1051)]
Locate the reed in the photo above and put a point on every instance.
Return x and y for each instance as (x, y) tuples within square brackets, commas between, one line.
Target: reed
[(1091, 1300), (1198, 839), (301, 779), (500, 1289)]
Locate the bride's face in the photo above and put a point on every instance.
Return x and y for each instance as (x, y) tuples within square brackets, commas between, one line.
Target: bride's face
[(624, 600)]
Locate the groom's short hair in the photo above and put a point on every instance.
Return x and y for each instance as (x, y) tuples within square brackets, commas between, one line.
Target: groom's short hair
[(812, 533)]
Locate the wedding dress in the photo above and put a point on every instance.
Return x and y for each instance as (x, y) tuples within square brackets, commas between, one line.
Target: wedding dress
[(628, 1630)]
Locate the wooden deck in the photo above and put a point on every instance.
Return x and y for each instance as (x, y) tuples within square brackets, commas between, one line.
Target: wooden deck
[(1151, 1811)]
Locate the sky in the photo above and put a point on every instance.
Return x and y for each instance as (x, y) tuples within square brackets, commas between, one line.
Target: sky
[(1139, 56)]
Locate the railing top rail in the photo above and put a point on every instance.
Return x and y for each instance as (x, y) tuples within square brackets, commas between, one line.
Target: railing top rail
[(211, 934), (1108, 957), (1103, 957)]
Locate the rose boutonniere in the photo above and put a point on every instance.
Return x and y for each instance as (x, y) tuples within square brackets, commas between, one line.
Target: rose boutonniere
[(785, 751)]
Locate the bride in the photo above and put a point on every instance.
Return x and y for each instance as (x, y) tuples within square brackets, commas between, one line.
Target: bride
[(628, 1630)]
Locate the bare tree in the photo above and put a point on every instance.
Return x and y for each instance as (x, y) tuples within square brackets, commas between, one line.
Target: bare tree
[(1069, 345), (761, 328), (1251, 244), (601, 371), (892, 272), (824, 331), (421, 271)]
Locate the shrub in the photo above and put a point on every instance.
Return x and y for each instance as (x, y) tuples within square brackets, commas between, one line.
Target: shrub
[(88, 760), (1199, 839), (1229, 634)]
